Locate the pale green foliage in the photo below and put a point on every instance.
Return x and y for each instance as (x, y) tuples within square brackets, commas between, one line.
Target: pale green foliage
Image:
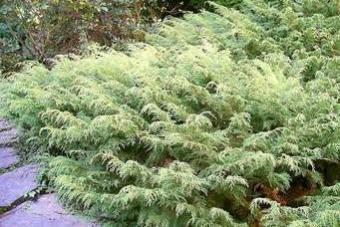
[(180, 131), (320, 210)]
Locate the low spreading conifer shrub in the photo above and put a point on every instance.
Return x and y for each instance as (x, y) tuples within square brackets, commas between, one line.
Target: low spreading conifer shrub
[(223, 118)]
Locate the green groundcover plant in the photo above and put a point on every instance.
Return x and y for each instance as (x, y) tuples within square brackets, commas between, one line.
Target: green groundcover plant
[(222, 118)]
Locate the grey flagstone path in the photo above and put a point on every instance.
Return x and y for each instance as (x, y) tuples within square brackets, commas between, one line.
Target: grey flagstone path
[(16, 182)]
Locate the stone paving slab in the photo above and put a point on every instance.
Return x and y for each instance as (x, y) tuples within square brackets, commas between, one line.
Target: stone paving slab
[(4, 125), (45, 212), (15, 184), (7, 157), (8, 137)]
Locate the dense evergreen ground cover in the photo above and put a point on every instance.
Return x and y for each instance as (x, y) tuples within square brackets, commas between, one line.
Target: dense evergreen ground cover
[(229, 117)]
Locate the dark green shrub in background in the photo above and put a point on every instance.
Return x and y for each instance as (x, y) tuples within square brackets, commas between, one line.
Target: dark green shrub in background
[(40, 29)]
